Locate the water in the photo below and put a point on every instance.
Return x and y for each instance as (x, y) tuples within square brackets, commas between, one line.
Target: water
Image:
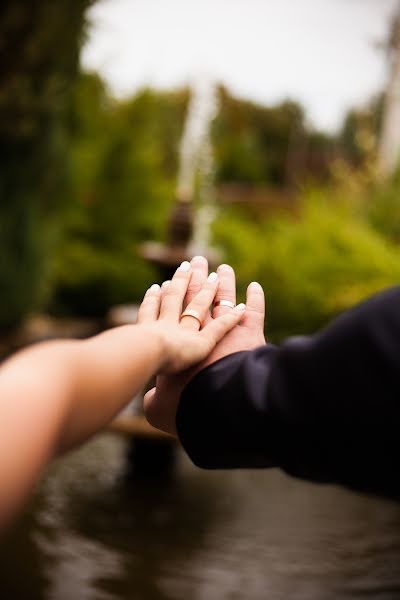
[(239, 535)]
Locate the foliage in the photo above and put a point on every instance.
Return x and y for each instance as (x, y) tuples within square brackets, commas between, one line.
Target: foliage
[(268, 145), (124, 167), (382, 208), (360, 131), (40, 43), (84, 179), (251, 141), (313, 266)]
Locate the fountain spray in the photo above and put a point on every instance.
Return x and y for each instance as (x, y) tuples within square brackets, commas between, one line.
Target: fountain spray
[(188, 230)]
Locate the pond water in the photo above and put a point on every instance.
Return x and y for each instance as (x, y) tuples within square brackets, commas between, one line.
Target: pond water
[(238, 535)]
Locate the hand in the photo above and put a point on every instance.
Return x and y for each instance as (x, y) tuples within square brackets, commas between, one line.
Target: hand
[(182, 343), (161, 403)]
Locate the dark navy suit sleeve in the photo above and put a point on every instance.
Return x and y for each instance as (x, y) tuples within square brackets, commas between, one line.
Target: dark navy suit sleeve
[(324, 408)]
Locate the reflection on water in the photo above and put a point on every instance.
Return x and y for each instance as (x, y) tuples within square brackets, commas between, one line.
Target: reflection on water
[(225, 535)]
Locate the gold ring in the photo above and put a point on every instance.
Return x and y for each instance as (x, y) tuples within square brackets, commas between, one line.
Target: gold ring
[(224, 303), (192, 313)]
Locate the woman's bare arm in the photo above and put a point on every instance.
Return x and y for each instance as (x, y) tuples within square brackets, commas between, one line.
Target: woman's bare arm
[(55, 395)]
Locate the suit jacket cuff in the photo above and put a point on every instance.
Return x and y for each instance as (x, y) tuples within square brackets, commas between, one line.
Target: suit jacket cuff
[(220, 421)]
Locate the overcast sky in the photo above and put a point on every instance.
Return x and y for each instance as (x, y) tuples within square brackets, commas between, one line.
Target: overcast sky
[(321, 52)]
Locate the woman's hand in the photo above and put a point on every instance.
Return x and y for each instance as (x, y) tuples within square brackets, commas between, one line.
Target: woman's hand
[(186, 338), (160, 403)]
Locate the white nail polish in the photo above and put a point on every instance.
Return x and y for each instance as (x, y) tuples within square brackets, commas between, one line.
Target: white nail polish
[(166, 283), (212, 278), (225, 267), (240, 307), (185, 266), (199, 259), (255, 285), (154, 288)]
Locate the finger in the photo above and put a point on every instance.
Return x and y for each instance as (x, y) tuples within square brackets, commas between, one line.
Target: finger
[(148, 403), (174, 293), (148, 397), (164, 286), (217, 328), (199, 266), (255, 307), (200, 304), (160, 409), (226, 290), (150, 306)]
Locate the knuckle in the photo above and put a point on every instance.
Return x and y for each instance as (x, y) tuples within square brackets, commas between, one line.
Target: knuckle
[(171, 291), (197, 304), (181, 275), (208, 293), (225, 293), (203, 296), (254, 309), (193, 289)]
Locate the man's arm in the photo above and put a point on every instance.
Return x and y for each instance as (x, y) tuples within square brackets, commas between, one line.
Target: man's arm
[(325, 408)]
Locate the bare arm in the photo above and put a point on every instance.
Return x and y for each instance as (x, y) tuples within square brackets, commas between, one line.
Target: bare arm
[(55, 395)]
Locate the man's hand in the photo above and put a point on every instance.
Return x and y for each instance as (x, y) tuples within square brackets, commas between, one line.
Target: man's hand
[(161, 403)]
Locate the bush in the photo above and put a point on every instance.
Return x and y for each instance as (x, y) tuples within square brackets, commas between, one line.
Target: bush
[(383, 209), (124, 167), (92, 278), (40, 45), (312, 267)]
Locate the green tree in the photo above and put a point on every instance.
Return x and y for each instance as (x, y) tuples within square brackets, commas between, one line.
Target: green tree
[(39, 41), (125, 160), (360, 131), (252, 141), (312, 265)]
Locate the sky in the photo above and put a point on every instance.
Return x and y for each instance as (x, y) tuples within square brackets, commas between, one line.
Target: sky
[(323, 53)]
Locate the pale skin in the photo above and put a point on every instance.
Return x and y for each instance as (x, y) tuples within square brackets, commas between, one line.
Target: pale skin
[(161, 402), (56, 395)]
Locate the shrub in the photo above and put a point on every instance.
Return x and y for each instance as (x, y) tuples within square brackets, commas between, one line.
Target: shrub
[(40, 45), (311, 267)]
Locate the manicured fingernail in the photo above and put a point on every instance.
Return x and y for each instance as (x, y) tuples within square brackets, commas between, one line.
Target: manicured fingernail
[(199, 259), (240, 307), (154, 288), (225, 266), (255, 286), (212, 278), (166, 283), (185, 266)]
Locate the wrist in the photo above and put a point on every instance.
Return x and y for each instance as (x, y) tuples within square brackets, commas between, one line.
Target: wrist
[(159, 345)]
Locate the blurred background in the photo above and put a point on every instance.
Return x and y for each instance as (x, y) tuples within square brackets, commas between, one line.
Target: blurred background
[(135, 133)]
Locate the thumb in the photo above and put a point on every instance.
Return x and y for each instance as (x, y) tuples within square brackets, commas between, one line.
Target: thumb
[(148, 397), (255, 308)]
